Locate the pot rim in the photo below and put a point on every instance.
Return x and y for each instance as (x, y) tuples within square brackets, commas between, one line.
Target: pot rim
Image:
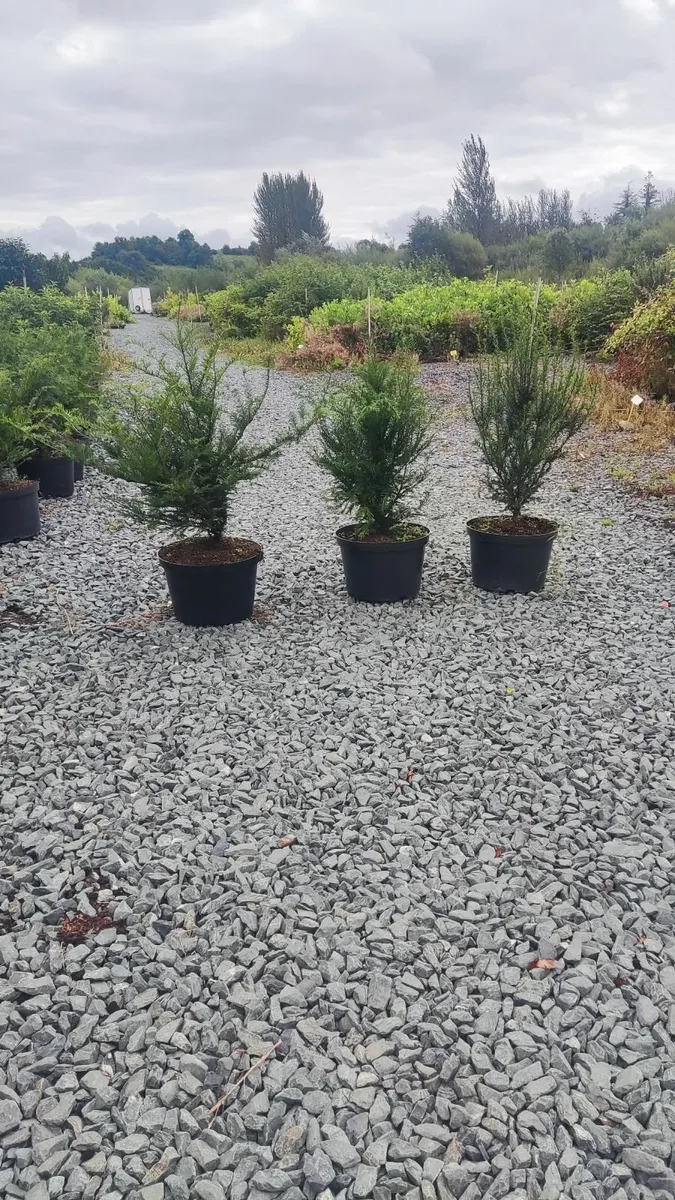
[(50, 458), (499, 535), (26, 485), (170, 562), (343, 538)]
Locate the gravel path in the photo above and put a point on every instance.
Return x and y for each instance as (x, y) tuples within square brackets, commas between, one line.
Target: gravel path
[(339, 838)]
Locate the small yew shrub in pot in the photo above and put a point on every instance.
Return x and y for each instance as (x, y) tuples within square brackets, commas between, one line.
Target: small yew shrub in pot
[(19, 509), (59, 370), (374, 436), (526, 406), (184, 440), (51, 463)]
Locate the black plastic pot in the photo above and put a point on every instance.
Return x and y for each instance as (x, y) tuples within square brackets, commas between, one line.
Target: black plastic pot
[(213, 594), (381, 572), (507, 562), (78, 468), (55, 476), (19, 512)]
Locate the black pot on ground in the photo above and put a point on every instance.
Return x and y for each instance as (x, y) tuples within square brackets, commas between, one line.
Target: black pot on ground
[(382, 572), (211, 584), (510, 554), (19, 510), (56, 476), (83, 440)]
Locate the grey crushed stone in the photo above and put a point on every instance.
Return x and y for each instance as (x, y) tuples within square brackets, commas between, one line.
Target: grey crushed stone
[(472, 783)]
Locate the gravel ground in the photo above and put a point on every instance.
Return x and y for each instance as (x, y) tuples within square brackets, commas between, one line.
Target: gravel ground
[(336, 841)]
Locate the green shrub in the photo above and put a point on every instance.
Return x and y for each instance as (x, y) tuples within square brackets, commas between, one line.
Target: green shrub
[(645, 345), (460, 253), (230, 315), (374, 436), (651, 274), (93, 278), (586, 312), (20, 308), (115, 315), (267, 302), (54, 428), (59, 366), (435, 321), (17, 434)]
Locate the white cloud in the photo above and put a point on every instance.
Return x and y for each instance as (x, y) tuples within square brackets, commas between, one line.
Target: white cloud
[(155, 106)]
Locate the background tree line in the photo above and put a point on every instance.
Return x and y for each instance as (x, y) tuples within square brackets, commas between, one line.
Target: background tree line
[(477, 232)]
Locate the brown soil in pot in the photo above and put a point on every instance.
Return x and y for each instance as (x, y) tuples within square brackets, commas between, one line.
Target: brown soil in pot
[(16, 485), (208, 552), (402, 533), (513, 526)]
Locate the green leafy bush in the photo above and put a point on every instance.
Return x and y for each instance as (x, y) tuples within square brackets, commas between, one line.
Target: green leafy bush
[(17, 434), (58, 370), (54, 428), (231, 315), (374, 435), (93, 278), (645, 345), (587, 312), (460, 253), (268, 301), (651, 274), (175, 440), (525, 402), (115, 315), (432, 322), (21, 309)]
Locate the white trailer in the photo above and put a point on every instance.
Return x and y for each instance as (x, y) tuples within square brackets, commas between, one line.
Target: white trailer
[(140, 300)]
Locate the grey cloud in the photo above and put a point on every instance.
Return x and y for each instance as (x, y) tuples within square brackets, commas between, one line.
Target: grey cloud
[(112, 110)]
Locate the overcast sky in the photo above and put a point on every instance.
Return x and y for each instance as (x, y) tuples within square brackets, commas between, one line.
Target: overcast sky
[(111, 111)]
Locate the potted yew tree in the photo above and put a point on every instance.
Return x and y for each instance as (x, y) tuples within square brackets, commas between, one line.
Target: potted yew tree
[(52, 464), (375, 432), (59, 368), (184, 441), (19, 509), (526, 404)]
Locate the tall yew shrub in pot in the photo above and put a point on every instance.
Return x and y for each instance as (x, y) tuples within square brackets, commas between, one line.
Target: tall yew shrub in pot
[(374, 435), (525, 402), (185, 441)]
